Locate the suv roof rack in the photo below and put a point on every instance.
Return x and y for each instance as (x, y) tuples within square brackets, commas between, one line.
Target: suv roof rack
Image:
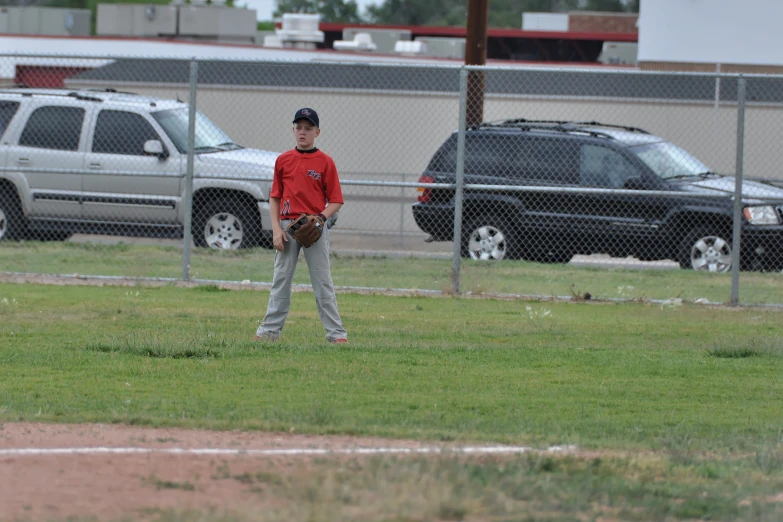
[(565, 127), (55, 91), (79, 96), (565, 124), (111, 90), (27, 91)]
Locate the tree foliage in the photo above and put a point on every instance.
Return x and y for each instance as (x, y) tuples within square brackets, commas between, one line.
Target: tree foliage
[(616, 6), (502, 13), (330, 10), (508, 13)]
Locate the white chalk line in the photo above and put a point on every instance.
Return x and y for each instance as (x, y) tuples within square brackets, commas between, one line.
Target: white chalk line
[(468, 450)]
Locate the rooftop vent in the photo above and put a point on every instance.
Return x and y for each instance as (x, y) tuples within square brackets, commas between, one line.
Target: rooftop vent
[(360, 42), (300, 31)]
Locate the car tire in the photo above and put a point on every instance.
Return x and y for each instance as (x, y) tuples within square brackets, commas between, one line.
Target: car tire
[(488, 239), (226, 225), (706, 249), (12, 221)]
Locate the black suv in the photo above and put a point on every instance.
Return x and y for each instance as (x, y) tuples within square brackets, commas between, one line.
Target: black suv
[(546, 190)]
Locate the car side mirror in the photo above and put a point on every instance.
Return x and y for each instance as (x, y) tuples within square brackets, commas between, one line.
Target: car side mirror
[(634, 183), (155, 148)]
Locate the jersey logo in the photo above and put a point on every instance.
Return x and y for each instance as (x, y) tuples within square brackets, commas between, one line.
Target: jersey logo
[(286, 208), (313, 174)]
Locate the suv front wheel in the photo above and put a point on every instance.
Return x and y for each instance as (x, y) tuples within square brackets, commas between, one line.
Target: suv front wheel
[(705, 249), (226, 225), (12, 222), (487, 239)]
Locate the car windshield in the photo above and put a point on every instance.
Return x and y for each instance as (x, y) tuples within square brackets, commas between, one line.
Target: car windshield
[(669, 161), (209, 137)]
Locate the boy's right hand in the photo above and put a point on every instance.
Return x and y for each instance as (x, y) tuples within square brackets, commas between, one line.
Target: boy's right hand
[(279, 238)]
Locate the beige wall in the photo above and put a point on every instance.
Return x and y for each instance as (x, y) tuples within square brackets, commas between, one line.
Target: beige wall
[(371, 134)]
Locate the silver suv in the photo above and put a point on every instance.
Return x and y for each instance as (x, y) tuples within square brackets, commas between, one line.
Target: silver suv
[(107, 162)]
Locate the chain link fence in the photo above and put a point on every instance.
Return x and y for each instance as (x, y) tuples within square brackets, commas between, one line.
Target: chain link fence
[(108, 165)]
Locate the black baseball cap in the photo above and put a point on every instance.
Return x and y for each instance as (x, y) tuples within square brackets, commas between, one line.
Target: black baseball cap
[(307, 114)]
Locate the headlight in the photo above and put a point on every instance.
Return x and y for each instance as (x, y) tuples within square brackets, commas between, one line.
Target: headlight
[(761, 215)]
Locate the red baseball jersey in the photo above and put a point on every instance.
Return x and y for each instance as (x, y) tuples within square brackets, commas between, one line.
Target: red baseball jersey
[(305, 182)]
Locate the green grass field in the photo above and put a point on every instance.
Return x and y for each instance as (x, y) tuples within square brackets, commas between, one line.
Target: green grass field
[(679, 409), (507, 277)]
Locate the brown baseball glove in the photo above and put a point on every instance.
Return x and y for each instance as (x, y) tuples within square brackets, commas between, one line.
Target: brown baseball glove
[(307, 229)]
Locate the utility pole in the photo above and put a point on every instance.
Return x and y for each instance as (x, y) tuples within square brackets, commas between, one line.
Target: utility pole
[(476, 54)]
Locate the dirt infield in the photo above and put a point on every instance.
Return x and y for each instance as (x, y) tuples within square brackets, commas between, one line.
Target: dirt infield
[(111, 472), (51, 486)]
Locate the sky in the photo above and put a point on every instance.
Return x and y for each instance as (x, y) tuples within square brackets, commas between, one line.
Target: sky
[(265, 8)]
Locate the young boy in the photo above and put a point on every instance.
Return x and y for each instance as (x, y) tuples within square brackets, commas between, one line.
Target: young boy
[(305, 181)]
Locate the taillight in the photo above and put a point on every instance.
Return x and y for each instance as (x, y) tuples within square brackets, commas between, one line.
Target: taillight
[(424, 193)]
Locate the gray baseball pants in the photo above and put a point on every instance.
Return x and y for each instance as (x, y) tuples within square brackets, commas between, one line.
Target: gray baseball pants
[(317, 258)]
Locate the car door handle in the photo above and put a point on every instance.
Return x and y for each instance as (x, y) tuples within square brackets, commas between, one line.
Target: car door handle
[(23, 161), (96, 166)]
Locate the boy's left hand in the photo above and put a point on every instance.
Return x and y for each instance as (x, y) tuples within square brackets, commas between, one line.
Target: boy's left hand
[(307, 229)]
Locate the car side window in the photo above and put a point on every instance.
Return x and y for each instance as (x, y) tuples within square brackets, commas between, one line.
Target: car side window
[(445, 159), (489, 155), (57, 128), (122, 132), (604, 168), (7, 111), (484, 155), (549, 161)]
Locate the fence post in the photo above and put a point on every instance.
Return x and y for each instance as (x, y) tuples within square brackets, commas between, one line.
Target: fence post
[(403, 208), (187, 199), (735, 240), (463, 111), (716, 105)]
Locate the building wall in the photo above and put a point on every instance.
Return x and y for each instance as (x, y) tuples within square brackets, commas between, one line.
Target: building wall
[(711, 32), (34, 20), (45, 75), (589, 22), (731, 68)]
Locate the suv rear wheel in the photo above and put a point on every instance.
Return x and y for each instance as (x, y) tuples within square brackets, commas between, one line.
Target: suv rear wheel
[(487, 239), (705, 249), (226, 225)]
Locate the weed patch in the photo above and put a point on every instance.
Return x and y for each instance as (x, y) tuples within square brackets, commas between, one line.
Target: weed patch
[(150, 346), (747, 346), (168, 484)]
